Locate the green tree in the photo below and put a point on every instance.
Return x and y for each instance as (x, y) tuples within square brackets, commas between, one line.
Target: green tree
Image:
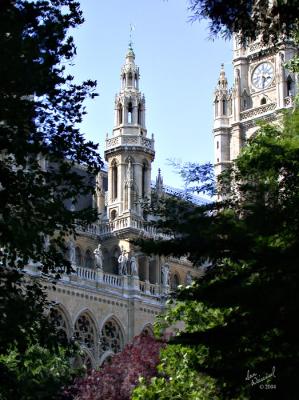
[(249, 18), (45, 166), (45, 161), (242, 311)]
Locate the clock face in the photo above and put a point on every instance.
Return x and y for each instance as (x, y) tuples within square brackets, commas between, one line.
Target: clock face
[(262, 75)]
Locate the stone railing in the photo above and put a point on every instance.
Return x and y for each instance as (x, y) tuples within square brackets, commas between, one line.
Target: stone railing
[(128, 222), (257, 111), (86, 273), (129, 140), (123, 282), (142, 286), (112, 280)]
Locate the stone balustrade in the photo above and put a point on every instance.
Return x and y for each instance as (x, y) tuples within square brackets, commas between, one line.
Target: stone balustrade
[(129, 140), (127, 222), (112, 280), (86, 273)]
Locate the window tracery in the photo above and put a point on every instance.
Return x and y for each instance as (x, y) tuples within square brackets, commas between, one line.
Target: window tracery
[(85, 332), (111, 337), (58, 320)]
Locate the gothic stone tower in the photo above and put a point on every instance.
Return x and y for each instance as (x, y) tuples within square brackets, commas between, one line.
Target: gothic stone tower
[(262, 87), (129, 153)]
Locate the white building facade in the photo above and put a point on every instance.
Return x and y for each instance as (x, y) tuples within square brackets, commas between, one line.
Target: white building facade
[(262, 88), (117, 291)]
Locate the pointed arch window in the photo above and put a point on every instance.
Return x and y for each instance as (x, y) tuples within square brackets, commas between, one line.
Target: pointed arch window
[(111, 337), (85, 332), (130, 113), (136, 81), (290, 85), (216, 107), (88, 259), (224, 107), (114, 181), (144, 170), (59, 321), (139, 114), (263, 101), (78, 256), (120, 114), (130, 79)]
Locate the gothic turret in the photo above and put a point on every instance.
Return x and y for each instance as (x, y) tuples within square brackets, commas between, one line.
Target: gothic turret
[(222, 111), (129, 152)]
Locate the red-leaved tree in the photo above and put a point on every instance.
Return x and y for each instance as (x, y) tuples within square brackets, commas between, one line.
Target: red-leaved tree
[(116, 381)]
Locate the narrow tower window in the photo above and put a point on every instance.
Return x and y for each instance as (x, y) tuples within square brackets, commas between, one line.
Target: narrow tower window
[(224, 107), (144, 169), (120, 114), (217, 144), (130, 113), (114, 181), (136, 82), (130, 79), (289, 86), (139, 114), (216, 108)]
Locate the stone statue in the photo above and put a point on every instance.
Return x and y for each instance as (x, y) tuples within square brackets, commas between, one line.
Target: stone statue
[(98, 257), (122, 263), (165, 275), (188, 278), (72, 252), (134, 266)]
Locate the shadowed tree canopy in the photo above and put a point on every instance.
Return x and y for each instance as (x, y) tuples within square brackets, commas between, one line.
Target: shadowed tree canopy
[(250, 18), (242, 315), (45, 165), (45, 161)]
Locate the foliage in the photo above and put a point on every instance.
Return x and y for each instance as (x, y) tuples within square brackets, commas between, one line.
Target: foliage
[(116, 380), (45, 161), (34, 363), (177, 380), (37, 373), (249, 18), (242, 311), (45, 164)]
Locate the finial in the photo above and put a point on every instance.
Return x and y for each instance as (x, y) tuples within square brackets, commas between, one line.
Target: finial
[(132, 29)]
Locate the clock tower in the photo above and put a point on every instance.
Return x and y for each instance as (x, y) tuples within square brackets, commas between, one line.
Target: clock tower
[(262, 87)]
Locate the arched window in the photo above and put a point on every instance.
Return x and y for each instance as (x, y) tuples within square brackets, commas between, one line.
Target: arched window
[(85, 332), (88, 259), (175, 282), (130, 113), (120, 114), (139, 114), (144, 169), (289, 86), (78, 256), (130, 79), (263, 101), (216, 108), (111, 337), (124, 80), (113, 214), (224, 107), (58, 320), (114, 181)]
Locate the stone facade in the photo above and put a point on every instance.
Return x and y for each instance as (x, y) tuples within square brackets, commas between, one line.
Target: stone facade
[(116, 291), (262, 88)]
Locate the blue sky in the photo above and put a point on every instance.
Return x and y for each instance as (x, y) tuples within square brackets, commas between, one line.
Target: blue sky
[(179, 67)]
